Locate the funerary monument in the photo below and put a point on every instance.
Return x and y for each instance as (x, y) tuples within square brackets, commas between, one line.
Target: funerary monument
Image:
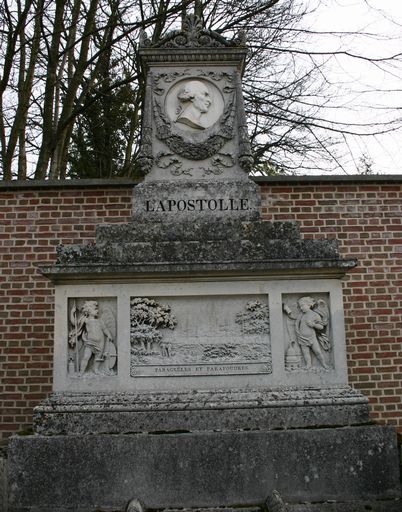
[(200, 352)]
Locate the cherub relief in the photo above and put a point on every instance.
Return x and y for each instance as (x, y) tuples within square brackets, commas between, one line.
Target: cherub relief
[(310, 329), (93, 339)]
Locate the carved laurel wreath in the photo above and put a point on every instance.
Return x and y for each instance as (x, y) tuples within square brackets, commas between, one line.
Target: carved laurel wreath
[(181, 144)]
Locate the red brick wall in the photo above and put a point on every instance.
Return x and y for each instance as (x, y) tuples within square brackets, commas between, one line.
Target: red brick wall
[(32, 223), (365, 215)]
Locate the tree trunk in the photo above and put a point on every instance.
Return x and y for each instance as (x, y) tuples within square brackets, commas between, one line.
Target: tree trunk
[(48, 108), (60, 137), (25, 81)]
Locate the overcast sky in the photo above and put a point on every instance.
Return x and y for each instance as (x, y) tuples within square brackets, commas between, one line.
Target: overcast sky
[(366, 87)]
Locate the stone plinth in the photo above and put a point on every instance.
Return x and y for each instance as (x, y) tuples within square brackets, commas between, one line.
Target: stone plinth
[(87, 473), (223, 411)]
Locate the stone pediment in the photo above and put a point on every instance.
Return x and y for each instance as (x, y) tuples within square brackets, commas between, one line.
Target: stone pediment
[(192, 35)]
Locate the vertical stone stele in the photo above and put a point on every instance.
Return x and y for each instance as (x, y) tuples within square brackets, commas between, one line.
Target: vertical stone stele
[(226, 333)]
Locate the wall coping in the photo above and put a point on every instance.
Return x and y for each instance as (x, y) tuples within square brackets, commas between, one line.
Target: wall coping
[(261, 180)]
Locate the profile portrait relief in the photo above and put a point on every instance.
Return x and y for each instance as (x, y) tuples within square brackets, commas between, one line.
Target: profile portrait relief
[(193, 105), (194, 101)]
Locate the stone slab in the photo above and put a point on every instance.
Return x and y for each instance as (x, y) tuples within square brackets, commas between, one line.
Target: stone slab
[(99, 271), (203, 469), (199, 251), (183, 200), (359, 506), (85, 413), (225, 229)]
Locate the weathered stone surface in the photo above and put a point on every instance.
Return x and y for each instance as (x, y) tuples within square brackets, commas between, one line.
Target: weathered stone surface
[(225, 229), (118, 272), (201, 250), (203, 469), (3, 482), (356, 506), (359, 506), (94, 413), (181, 201)]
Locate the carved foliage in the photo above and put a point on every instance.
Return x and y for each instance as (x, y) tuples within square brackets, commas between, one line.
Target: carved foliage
[(194, 149), (219, 162), (255, 318), (145, 158), (194, 146), (146, 318)]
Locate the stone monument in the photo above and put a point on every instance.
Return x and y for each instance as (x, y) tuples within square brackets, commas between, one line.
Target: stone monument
[(200, 352)]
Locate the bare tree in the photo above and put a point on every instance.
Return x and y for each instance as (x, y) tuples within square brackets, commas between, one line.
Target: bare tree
[(63, 59)]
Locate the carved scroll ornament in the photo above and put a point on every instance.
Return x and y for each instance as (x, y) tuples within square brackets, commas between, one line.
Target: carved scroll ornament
[(192, 35)]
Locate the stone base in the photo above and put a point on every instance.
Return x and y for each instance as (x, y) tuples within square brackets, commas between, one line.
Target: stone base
[(357, 506), (224, 241), (102, 413), (210, 469)]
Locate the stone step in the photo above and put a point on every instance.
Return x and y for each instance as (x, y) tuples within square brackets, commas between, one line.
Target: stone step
[(225, 229)]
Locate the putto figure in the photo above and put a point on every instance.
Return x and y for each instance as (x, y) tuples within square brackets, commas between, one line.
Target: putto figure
[(310, 325), (195, 100), (92, 339)]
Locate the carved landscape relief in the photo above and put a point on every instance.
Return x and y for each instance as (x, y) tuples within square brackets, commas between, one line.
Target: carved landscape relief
[(308, 345), (210, 335), (92, 337)]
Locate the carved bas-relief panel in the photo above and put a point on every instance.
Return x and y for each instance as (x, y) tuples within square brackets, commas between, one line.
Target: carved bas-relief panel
[(208, 335), (193, 124), (194, 104), (308, 345), (194, 116), (92, 337)]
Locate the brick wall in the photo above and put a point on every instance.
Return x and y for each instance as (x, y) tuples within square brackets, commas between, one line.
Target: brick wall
[(366, 217), (364, 214), (32, 223)]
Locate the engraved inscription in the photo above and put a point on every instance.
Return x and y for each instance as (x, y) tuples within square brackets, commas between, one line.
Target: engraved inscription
[(92, 337), (197, 205), (306, 321)]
